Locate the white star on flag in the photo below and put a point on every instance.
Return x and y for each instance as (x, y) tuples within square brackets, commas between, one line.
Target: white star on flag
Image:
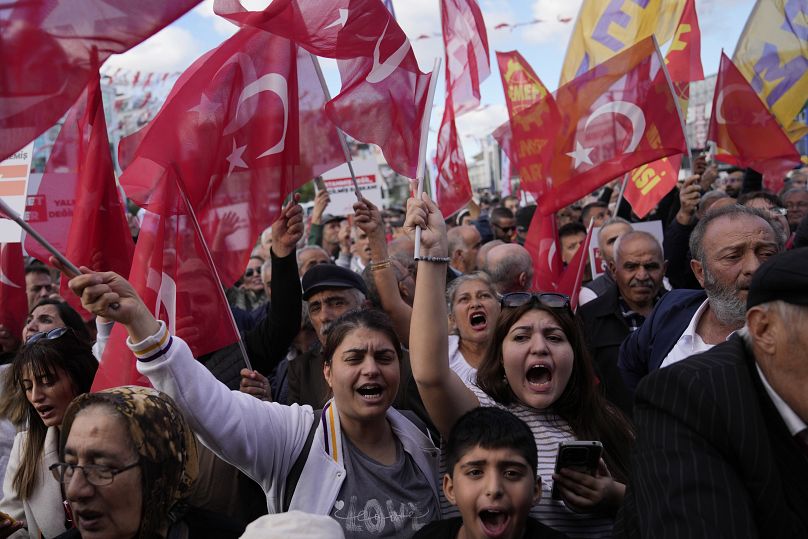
[(581, 155), (206, 109), (235, 158)]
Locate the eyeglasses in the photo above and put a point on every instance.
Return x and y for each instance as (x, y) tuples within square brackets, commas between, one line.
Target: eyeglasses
[(47, 335), (99, 476), (250, 272), (506, 229), (547, 299)]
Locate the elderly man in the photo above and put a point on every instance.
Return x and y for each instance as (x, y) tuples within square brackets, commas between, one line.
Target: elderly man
[(464, 242), (310, 256), (728, 246), (607, 236), (796, 202), (638, 268), (722, 443), (510, 268)]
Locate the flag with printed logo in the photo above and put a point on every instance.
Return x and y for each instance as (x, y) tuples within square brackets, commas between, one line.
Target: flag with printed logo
[(773, 56), (606, 27)]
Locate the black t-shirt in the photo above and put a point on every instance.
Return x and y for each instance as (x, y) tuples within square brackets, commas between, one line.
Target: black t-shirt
[(448, 529)]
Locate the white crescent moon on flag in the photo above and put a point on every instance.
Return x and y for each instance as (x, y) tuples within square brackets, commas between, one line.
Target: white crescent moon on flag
[(271, 82), (719, 102), (382, 70), (630, 111), (6, 281)]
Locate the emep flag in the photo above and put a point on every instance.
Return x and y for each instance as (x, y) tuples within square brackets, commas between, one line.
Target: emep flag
[(611, 119)]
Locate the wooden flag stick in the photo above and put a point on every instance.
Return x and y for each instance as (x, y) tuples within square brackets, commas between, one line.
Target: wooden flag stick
[(14, 216), (340, 134), (420, 171)]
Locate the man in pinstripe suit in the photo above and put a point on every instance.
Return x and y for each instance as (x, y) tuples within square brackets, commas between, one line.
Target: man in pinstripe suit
[(722, 443)]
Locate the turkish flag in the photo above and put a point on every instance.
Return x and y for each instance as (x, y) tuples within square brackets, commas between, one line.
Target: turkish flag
[(243, 127), (650, 183), (12, 289), (573, 277), (744, 130), (466, 43), (174, 277), (384, 93), (452, 181), (542, 244), (52, 49), (79, 179), (611, 119)]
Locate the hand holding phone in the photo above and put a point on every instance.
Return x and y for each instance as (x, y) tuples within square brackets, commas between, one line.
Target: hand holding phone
[(579, 456)]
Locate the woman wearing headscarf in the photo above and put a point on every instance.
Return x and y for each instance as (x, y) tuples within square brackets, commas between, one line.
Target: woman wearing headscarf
[(138, 461)]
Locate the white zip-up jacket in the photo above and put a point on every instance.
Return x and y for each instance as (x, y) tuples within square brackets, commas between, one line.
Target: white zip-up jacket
[(264, 439)]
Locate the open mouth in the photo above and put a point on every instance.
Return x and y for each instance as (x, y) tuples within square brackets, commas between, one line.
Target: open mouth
[(539, 375), (370, 392), (478, 320), (494, 522), (44, 410)]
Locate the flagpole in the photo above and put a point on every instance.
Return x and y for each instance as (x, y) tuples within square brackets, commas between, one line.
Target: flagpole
[(430, 96), (14, 216), (209, 259), (664, 68), (622, 192), (340, 134)]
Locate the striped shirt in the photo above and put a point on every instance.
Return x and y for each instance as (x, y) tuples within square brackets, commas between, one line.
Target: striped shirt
[(549, 430)]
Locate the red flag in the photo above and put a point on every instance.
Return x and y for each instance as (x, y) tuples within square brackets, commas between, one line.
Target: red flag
[(542, 244), (12, 289), (651, 182), (243, 127), (744, 130), (466, 42), (452, 181), (84, 217), (612, 119), (384, 93), (172, 274), (573, 276), (48, 48)]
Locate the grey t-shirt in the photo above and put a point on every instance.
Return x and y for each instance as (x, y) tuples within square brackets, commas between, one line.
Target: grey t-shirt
[(383, 501)]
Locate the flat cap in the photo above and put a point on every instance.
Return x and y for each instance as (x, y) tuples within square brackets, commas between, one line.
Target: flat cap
[(325, 276), (783, 277)]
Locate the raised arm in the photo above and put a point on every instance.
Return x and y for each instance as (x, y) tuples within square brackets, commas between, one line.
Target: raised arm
[(445, 396), (369, 220)]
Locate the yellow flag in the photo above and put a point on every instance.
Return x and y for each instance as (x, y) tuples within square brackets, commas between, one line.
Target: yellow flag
[(606, 27), (772, 54)]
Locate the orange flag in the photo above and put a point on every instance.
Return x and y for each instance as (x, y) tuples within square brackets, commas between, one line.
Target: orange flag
[(650, 183)]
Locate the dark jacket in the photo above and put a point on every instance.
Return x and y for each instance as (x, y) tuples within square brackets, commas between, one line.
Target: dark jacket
[(268, 342), (646, 349), (676, 244), (713, 457), (604, 330)]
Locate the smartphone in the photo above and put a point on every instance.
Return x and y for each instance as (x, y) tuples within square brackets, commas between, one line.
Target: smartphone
[(319, 184), (581, 456)]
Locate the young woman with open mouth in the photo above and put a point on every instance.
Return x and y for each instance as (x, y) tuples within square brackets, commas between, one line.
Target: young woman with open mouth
[(50, 370), (537, 368)]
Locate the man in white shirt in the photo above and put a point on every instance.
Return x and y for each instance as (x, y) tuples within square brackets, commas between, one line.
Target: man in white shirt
[(722, 442), (728, 245)]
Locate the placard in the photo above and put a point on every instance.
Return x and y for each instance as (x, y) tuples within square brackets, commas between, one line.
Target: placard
[(340, 186), (14, 173)]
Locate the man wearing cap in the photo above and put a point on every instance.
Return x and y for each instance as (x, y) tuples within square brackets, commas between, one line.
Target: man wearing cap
[(722, 443)]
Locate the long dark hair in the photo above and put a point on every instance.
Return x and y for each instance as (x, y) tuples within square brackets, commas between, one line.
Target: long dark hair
[(588, 413), (74, 357)]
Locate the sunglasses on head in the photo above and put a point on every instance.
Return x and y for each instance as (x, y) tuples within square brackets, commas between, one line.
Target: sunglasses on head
[(251, 271), (547, 299), (47, 335)]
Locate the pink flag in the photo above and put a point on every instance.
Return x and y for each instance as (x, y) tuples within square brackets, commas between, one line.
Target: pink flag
[(172, 274), (80, 208), (384, 93), (12, 289), (466, 42), (48, 48), (453, 187), (243, 127)]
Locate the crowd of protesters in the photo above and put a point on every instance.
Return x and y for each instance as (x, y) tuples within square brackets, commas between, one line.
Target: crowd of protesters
[(399, 396)]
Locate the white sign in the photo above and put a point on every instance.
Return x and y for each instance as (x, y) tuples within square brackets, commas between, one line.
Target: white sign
[(340, 186), (595, 258), (14, 173)]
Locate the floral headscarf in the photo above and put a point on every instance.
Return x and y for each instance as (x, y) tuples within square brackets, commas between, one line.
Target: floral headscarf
[(162, 439)]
